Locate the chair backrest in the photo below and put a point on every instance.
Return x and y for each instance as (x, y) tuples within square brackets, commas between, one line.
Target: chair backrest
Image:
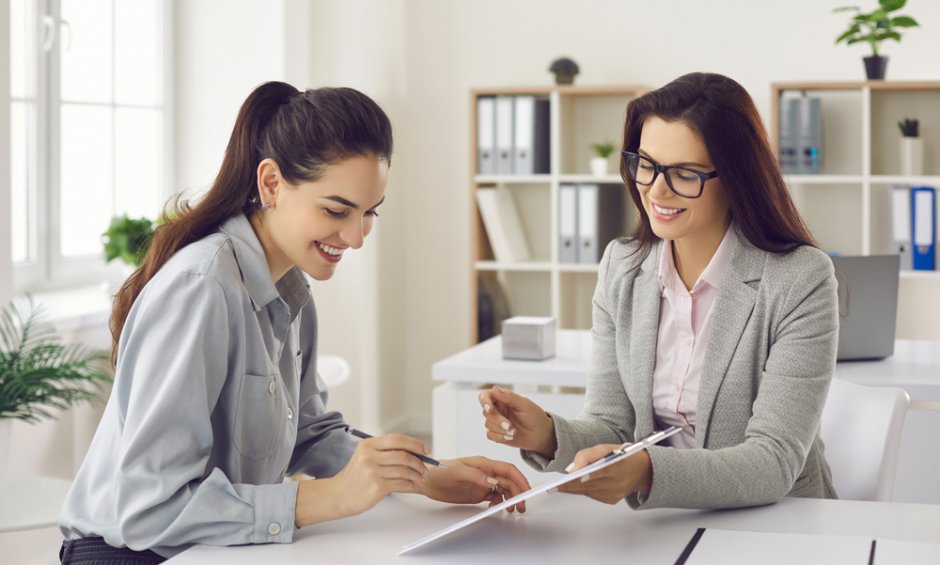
[(333, 369), (861, 429)]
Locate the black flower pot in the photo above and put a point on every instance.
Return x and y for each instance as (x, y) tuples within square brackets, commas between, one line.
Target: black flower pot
[(875, 67)]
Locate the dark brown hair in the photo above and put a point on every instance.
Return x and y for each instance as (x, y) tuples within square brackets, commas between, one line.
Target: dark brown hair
[(303, 132), (723, 114)]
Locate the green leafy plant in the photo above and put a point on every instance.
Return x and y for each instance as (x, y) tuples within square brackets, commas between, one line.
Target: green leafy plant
[(909, 127), (127, 239), (38, 373), (875, 26), (603, 149)]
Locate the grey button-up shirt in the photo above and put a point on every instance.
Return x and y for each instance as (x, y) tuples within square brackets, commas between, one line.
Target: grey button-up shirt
[(216, 398)]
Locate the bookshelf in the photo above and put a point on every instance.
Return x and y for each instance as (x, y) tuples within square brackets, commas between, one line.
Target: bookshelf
[(848, 205), (544, 286)]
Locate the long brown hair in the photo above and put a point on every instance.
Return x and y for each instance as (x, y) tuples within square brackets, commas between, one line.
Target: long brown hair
[(303, 132), (725, 117)]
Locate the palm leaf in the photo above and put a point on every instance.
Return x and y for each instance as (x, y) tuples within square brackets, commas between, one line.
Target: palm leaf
[(38, 373)]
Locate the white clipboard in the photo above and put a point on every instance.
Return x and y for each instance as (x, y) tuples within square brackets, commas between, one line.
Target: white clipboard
[(622, 452)]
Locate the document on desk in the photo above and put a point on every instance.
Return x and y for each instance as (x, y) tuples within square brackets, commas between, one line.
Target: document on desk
[(710, 545), (619, 454)]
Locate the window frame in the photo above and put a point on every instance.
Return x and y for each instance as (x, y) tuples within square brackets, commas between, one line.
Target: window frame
[(49, 269)]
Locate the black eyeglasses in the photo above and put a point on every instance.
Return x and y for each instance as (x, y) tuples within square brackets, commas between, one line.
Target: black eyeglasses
[(687, 183)]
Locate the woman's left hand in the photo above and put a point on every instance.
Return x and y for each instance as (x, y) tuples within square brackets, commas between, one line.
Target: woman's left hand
[(613, 483), (470, 480)]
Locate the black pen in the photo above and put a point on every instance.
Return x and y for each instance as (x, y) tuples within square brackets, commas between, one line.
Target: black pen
[(428, 460)]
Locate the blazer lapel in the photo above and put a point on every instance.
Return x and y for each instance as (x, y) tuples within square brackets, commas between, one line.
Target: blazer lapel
[(642, 337), (732, 310)]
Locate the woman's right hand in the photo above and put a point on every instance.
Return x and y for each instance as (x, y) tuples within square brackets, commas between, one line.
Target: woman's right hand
[(379, 466), (514, 420)]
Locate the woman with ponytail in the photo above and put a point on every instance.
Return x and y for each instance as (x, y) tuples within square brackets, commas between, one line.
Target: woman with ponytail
[(216, 397)]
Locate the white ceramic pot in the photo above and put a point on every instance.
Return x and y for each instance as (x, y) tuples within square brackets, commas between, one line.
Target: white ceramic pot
[(598, 166), (912, 156)]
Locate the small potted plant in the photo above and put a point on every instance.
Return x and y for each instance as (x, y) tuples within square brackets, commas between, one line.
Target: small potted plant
[(912, 148), (873, 28), (565, 70), (38, 373), (599, 162), (127, 239)]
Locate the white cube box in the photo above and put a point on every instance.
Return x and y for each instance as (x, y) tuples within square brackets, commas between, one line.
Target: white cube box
[(528, 337)]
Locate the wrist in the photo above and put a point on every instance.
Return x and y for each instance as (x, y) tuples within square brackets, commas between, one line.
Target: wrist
[(318, 500), (548, 444)]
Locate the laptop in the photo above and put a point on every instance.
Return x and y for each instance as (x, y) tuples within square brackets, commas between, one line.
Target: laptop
[(868, 305)]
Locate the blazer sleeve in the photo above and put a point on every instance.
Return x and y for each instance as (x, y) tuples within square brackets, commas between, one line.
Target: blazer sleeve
[(785, 415), (607, 416)]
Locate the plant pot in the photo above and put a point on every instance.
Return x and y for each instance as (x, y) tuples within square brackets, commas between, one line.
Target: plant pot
[(912, 156), (598, 166), (875, 67)]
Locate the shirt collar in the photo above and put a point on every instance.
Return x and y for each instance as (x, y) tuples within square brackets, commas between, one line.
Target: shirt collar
[(249, 254), (712, 275)]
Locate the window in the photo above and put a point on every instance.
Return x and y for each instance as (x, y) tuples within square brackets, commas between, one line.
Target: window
[(89, 122)]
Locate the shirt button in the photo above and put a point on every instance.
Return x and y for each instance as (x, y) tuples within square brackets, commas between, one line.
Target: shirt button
[(688, 341), (274, 529), (272, 387), (290, 414)]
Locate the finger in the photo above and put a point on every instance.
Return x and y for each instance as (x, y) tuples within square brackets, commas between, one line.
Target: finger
[(486, 401), (507, 470), (400, 485), (400, 473), (500, 437), (400, 442), (587, 456), (401, 459), (493, 427)]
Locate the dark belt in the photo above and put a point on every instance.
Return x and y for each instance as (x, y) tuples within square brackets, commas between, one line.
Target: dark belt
[(94, 551)]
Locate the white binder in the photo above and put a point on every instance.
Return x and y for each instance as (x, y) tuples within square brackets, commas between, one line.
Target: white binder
[(587, 224), (531, 136), (504, 131), (486, 135), (567, 223), (901, 224)]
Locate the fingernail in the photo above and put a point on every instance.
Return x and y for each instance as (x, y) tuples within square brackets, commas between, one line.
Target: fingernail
[(508, 438), (492, 481), (512, 432), (569, 468), (585, 478), (552, 490), (486, 408), (504, 425)]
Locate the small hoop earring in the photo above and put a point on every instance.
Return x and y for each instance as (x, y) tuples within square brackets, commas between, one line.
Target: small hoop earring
[(265, 206)]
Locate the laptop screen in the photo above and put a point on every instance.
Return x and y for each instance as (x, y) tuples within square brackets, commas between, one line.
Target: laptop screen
[(868, 305)]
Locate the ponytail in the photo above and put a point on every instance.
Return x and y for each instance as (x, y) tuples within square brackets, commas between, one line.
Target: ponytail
[(302, 131)]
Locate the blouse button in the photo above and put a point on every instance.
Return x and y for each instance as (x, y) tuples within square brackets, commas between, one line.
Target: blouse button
[(290, 414), (272, 387), (274, 529), (688, 341)]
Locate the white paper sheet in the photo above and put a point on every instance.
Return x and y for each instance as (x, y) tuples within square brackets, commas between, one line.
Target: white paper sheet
[(627, 451)]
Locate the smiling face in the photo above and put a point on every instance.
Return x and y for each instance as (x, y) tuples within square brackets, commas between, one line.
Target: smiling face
[(692, 221), (312, 223)]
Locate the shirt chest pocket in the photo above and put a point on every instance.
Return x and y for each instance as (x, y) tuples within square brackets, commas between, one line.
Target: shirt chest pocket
[(261, 417)]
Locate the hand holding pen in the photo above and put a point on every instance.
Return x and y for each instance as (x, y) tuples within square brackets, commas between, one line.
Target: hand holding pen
[(426, 459)]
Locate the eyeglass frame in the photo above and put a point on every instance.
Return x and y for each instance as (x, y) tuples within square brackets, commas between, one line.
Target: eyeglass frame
[(657, 168)]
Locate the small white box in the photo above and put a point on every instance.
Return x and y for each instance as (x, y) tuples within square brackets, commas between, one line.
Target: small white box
[(529, 337)]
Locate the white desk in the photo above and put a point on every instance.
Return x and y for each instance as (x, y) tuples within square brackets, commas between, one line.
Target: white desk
[(28, 502), (547, 535), (458, 428)]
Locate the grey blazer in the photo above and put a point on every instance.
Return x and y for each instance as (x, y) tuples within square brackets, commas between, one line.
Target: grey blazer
[(771, 354)]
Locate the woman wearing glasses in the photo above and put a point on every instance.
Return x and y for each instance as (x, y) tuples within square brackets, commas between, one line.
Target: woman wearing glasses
[(718, 315)]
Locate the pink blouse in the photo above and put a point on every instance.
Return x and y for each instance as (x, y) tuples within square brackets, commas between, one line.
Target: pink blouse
[(684, 322)]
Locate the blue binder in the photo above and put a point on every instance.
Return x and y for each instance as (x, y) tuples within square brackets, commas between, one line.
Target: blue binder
[(924, 226)]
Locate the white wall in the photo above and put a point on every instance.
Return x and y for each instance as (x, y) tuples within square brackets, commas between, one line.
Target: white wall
[(6, 270)]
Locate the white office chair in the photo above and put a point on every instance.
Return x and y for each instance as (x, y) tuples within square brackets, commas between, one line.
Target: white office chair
[(333, 369), (861, 428)]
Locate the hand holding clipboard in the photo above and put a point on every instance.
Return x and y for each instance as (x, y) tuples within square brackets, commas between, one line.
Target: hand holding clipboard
[(622, 452)]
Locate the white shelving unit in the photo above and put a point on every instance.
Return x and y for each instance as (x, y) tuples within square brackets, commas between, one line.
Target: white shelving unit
[(847, 207), (543, 286)]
